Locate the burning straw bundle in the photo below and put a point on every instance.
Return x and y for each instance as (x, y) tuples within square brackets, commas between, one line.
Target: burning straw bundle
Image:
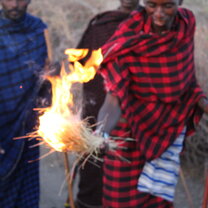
[(70, 134), (60, 127)]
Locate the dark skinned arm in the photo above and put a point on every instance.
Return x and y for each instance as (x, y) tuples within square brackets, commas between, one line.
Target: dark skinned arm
[(109, 114)]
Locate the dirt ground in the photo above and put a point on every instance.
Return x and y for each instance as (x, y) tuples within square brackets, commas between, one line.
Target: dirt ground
[(54, 186)]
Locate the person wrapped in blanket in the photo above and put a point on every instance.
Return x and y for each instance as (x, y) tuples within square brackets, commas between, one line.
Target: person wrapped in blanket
[(100, 28), (23, 53), (154, 99)]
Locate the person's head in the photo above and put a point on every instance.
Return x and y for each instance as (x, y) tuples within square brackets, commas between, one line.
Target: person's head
[(128, 5), (162, 13), (14, 9)]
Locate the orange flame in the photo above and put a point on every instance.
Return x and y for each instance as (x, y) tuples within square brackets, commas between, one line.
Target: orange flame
[(58, 120)]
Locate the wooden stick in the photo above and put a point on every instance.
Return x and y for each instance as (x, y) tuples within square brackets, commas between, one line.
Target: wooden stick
[(205, 197), (70, 191), (49, 45), (66, 160), (188, 194)]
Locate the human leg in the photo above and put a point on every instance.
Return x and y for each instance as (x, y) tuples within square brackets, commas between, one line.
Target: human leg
[(121, 178), (90, 184)]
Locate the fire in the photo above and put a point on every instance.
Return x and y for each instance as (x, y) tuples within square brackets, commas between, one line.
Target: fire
[(60, 128)]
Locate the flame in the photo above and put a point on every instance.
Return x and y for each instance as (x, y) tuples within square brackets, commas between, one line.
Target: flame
[(58, 121)]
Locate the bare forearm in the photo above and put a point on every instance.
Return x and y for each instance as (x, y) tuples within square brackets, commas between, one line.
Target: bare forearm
[(109, 114), (203, 104)]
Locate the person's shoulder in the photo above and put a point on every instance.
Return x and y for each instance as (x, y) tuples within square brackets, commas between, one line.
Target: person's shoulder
[(188, 17), (35, 20), (186, 13), (107, 16), (137, 13), (107, 13)]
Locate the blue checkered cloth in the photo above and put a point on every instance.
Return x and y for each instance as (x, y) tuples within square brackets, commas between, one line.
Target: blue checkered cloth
[(22, 56), (21, 189)]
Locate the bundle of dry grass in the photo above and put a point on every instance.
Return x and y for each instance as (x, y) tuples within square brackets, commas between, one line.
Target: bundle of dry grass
[(60, 126), (70, 134)]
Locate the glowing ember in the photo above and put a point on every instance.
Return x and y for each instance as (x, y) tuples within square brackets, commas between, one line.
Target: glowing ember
[(59, 126)]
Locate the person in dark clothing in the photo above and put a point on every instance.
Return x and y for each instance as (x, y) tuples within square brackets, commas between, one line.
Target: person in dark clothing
[(99, 30), (23, 53), (152, 97)]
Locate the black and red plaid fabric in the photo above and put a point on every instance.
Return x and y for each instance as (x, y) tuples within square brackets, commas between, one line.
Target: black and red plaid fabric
[(153, 77), (121, 178)]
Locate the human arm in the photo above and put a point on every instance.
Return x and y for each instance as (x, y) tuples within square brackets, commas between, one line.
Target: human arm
[(109, 114)]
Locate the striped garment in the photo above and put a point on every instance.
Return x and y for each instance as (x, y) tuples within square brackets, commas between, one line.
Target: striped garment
[(154, 79), (159, 176), (22, 57)]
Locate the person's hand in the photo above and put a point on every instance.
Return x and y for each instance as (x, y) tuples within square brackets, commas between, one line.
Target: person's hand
[(104, 147)]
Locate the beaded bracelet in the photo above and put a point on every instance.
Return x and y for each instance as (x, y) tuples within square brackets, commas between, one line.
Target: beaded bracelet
[(105, 135)]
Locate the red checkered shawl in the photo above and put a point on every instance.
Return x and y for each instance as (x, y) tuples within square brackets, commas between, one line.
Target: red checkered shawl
[(153, 77)]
